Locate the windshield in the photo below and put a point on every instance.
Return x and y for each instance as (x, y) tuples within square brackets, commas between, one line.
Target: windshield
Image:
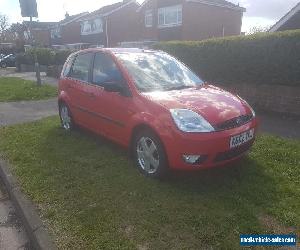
[(158, 72)]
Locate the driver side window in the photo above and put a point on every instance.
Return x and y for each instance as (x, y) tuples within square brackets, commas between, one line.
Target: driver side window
[(105, 70)]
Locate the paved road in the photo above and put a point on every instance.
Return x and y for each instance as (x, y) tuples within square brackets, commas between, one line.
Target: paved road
[(12, 233)]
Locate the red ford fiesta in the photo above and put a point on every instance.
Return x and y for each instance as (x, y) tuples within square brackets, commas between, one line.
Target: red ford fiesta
[(153, 104)]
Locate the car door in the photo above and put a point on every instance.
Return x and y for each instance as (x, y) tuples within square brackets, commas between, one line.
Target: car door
[(110, 108), (77, 87)]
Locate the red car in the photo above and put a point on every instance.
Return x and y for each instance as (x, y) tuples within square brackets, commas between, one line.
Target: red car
[(153, 104)]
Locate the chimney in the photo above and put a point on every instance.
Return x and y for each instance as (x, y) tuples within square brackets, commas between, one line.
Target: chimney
[(67, 15)]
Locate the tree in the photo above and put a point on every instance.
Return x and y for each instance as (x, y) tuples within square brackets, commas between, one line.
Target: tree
[(4, 24), (18, 29), (16, 34), (258, 29)]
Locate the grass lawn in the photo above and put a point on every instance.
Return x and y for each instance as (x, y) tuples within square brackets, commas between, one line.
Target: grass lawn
[(91, 197), (17, 89)]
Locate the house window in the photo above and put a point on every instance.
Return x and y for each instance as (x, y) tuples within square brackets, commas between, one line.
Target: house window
[(56, 33), (27, 34), (93, 26), (170, 16), (148, 18)]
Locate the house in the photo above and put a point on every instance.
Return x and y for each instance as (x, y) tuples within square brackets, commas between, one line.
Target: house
[(111, 24), (67, 31), (39, 32), (290, 21), (164, 20), (127, 22)]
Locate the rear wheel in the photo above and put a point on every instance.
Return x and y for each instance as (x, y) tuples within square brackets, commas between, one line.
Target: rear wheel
[(65, 117), (149, 154), (3, 65)]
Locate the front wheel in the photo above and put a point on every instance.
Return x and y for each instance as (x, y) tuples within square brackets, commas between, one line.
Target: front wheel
[(149, 154), (3, 65), (65, 117)]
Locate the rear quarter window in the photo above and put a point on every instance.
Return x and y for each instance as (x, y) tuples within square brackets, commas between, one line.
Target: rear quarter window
[(68, 66)]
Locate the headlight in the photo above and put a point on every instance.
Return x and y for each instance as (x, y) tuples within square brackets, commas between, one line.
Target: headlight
[(252, 110), (189, 121)]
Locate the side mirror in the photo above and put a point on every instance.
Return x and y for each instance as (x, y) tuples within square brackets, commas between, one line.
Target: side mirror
[(117, 87)]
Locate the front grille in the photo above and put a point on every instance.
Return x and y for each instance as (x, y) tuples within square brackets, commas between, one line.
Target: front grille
[(234, 123), (228, 155)]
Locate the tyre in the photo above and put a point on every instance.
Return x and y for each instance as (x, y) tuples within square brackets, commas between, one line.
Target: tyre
[(149, 154), (3, 65), (65, 117)]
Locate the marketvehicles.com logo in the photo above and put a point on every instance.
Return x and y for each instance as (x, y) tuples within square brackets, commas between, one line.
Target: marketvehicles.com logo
[(268, 240)]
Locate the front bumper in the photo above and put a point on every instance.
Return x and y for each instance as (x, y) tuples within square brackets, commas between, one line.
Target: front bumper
[(213, 147)]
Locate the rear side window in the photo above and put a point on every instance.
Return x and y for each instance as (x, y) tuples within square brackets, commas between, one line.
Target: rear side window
[(68, 66), (81, 67), (105, 70)]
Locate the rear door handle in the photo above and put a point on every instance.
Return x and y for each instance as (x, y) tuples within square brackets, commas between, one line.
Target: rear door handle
[(70, 86)]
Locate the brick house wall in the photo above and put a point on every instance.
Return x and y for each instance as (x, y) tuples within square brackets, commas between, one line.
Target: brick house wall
[(70, 33), (148, 33), (202, 21), (42, 37), (155, 33), (199, 21), (123, 26), (272, 98), (94, 39)]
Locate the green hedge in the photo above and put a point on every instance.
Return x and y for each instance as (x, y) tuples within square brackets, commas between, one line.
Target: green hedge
[(45, 56), (262, 58)]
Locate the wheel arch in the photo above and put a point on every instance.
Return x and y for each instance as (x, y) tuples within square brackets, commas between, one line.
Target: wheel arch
[(63, 98), (140, 127)]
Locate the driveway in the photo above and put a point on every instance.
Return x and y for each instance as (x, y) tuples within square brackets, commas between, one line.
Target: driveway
[(11, 72), (21, 112), (288, 127)]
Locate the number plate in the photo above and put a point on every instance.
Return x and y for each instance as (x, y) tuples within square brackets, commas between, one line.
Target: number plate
[(241, 139)]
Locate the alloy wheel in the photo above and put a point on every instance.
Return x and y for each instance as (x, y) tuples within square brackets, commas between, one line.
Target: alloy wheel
[(65, 117), (147, 155)]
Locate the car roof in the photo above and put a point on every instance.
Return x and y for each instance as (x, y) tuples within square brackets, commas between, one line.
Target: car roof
[(119, 50)]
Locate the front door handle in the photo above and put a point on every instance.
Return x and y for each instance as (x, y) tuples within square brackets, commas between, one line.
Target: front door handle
[(91, 95)]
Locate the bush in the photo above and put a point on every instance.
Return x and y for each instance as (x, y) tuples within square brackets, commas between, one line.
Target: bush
[(44, 56), (61, 56), (256, 59), (54, 71)]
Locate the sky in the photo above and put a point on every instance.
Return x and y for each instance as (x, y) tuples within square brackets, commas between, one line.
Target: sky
[(260, 13)]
